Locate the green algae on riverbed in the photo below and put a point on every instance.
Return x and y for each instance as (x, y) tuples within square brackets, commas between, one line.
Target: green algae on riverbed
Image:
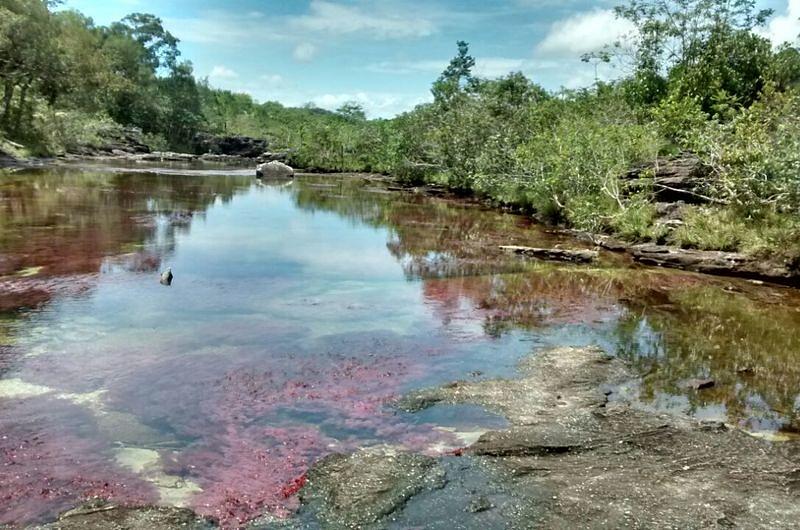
[(298, 312)]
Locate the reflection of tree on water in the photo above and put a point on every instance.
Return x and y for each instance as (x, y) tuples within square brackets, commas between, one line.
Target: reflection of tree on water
[(58, 227), (751, 348), (673, 326), (431, 239), (68, 222)]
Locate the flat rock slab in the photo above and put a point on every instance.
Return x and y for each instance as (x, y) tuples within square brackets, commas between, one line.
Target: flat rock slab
[(715, 262), (103, 516), (580, 456), (554, 254), (356, 490)]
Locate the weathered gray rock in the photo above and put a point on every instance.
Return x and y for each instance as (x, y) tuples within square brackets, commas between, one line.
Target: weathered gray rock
[(684, 178), (102, 515), (351, 491), (278, 156), (554, 254), (585, 459), (274, 170), (716, 262), (113, 141), (166, 156), (239, 146)]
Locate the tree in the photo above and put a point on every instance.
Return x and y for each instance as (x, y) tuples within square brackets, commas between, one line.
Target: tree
[(183, 112), (456, 76), (160, 45), (352, 111), (704, 49)]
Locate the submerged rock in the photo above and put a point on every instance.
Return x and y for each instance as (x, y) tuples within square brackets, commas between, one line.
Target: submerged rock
[(700, 384), (554, 254), (274, 169), (351, 491), (101, 515), (479, 504)]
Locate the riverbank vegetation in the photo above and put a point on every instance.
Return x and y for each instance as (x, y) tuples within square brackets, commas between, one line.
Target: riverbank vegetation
[(697, 80)]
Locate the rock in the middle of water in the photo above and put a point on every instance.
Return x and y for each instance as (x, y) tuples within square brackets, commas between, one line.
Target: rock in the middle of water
[(274, 169)]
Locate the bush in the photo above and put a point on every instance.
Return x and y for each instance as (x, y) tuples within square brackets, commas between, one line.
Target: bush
[(636, 222), (756, 157), (707, 228)]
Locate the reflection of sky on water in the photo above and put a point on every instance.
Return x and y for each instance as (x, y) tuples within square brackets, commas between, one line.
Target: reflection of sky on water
[(297, 312)]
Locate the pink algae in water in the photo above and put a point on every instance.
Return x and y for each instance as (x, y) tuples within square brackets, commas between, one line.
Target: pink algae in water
[(256, 440), (253, 471), (46, 468)]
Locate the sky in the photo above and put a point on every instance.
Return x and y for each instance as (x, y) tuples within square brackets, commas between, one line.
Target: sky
[(384, 54)]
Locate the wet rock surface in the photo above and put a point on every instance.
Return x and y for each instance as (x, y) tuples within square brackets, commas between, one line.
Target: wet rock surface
[(579, 456), (554, 254), (104, 516), (351, 491)]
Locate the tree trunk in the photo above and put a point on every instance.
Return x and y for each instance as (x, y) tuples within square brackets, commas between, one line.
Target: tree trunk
[(8, 95), (23, 96)]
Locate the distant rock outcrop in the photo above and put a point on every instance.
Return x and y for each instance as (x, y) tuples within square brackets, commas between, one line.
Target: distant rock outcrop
[(113, 141), (684, 178), (242, 146)]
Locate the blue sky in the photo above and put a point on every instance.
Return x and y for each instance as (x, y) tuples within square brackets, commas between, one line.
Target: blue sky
[(385, 53)]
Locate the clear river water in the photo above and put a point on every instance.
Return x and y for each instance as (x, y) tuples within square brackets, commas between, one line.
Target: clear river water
[(298, 312)]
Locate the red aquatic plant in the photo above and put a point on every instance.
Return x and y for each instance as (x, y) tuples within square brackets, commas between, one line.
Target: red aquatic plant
[(47, 465), (250, 471)]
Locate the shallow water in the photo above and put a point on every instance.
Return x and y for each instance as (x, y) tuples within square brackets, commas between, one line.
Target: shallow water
[(298, 312)]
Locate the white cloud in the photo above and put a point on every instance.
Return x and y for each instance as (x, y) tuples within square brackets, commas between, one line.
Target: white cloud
[(272, 79), (487, 67), (220, 28), (222, 72), (584, 32), (784, 28), (363, 19), (376, 19), (377, 104), (408, 67), (304, 52), (491, 67)]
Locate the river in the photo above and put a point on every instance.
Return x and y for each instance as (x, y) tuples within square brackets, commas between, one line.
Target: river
[(299, 312)]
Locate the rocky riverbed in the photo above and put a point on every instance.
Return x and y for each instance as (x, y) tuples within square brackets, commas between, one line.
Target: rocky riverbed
[(577, 454)]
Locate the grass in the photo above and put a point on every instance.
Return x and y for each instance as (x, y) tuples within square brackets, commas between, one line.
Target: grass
[(769, 235)]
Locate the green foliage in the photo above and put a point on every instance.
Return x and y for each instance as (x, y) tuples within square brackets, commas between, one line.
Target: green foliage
[(770, 235), (457, 74), (700, 78), (756, 156), (578, 149), (710, 229), (637, 221), (705, 50), (678, 117)]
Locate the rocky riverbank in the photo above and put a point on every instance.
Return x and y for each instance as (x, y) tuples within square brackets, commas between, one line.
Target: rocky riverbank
[(577, 455)]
